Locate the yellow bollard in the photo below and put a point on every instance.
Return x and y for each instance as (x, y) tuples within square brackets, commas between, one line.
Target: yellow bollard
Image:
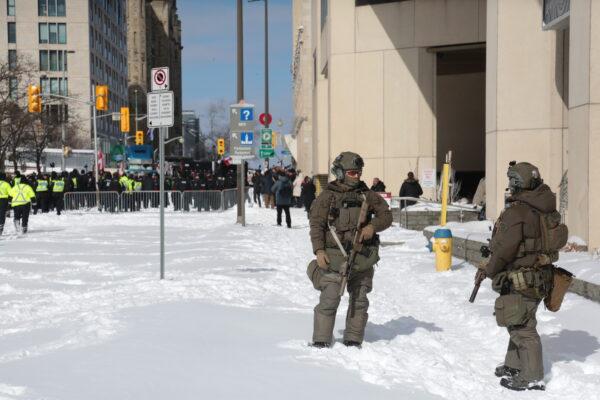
[(442, 246)]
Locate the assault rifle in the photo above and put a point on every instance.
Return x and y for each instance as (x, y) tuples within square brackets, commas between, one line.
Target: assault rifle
[(347, 266), (480, 276)]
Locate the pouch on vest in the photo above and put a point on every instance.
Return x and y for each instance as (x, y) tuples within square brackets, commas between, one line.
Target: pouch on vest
[(510, 310), (560, 284), (365, 259), (554, 234), (313, 273), (532, 282)]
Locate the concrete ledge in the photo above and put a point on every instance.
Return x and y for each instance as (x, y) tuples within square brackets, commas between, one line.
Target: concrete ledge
[(419, 220), (468, 250)]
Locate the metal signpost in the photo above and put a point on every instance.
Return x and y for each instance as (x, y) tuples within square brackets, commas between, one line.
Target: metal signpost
[(161, 109), (241, 124)]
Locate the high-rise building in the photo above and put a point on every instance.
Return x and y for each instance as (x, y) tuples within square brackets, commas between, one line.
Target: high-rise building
[(154, 36), (74, 45)]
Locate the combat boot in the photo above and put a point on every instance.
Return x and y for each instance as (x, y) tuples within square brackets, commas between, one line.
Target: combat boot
[(320, 345), (504, 371), (519, 384), (352, 343)]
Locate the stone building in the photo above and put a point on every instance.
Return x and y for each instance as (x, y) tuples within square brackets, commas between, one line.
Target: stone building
[(405, 81), (154, 34), (74, 44)]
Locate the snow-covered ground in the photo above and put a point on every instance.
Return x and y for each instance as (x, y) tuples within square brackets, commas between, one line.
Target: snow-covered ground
[(83, 315)]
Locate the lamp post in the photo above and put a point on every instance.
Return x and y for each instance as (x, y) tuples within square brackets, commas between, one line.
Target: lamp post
[(63, 111)]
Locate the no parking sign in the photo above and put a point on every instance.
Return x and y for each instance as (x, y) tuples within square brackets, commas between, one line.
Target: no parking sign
[(160, 78)]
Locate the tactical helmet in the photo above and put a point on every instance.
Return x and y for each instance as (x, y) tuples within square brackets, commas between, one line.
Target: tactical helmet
[(523, 176), (346, 161)]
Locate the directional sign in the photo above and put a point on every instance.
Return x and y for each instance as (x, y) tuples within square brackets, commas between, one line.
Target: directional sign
[(241, 144), (241, 117), (247, 138), (266, 153), (160, 78), (266, 136), (160, 109)]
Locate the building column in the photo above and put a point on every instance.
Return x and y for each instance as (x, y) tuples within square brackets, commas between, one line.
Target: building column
[(524, 96), (584, 122)]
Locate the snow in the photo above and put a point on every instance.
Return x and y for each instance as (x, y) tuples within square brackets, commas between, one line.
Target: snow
[(83, 315)]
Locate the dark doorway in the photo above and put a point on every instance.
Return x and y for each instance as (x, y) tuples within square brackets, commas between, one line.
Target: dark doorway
[(460, 113)]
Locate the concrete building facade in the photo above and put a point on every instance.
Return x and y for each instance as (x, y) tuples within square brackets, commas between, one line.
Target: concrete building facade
[(74, 45), (154, 33), (403, 82), (193, 143)]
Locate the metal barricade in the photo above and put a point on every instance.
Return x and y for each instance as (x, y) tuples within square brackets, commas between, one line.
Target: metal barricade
[(86, 201), (149, 200), (202, 200), (404, 202), (229, 198)]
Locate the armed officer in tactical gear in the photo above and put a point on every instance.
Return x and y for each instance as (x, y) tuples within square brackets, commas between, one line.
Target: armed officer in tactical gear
[(524, 244), (336, 212)]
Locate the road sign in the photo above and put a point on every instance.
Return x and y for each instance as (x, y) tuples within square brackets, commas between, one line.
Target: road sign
[(160, 78), (160, 109), (247, 138), (266, 153), (265, 119), (266, 136), (241, 117), (241, 144)]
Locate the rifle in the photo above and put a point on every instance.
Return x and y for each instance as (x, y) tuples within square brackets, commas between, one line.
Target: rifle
[(347, 266), (480, 275)]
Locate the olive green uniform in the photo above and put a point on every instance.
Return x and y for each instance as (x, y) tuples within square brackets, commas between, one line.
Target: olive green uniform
[(522, 277), (339, 206)]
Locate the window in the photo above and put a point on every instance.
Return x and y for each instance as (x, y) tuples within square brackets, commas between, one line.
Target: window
[(42, 8), (44, 66), (43, 33), (53, 60), (62, 33), (13, 88), (61, 9), (324, 12), (52, 8), (12, 59), (54, 85), (52, 33), (12, 32), (10, 8), (64, 86)]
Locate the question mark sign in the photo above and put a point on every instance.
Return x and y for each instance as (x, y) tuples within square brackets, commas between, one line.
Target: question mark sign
[(246, 114)]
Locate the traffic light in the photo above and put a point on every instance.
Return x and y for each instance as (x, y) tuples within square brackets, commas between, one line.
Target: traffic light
[(139, 137), (273, 139), (35, 100), (220, 146), (102, 97), (124, 119)]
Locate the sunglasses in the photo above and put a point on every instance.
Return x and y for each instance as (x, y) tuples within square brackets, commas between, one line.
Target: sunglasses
[(353, 173)]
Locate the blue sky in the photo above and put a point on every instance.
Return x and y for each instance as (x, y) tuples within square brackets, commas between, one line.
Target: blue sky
[(209, 54)]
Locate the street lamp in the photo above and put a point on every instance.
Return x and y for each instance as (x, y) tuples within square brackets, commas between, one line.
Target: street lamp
[(179, 138)]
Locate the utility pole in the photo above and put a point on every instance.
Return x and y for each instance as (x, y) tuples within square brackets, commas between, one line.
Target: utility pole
[(240, 96)]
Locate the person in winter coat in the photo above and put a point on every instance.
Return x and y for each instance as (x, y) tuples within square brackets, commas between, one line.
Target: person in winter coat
[(378, 186), (22, 196), (283, 191), (308, 193), (265, 187), (256, 185), (410, 188)]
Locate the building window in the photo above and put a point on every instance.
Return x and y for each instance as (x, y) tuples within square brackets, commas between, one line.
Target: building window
[(324, 12), (12, 59), (52, 8), (373, 2), (13, 88), (53, 33), (54, 86), (12, 32), (10, 8), (53, 60)]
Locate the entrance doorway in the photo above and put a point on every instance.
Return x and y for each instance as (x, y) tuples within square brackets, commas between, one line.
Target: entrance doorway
[(460, 113)]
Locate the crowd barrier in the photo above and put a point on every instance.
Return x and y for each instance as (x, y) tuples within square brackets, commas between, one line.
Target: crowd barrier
[(140, 201)]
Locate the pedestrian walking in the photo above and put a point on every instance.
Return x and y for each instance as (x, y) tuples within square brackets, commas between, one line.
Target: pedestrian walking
[(266, 186), (308, 193), (410, 188), (4, 194), (22, 196), (283, 191)]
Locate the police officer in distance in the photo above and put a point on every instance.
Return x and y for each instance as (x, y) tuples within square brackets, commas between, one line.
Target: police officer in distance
[(339, 206)]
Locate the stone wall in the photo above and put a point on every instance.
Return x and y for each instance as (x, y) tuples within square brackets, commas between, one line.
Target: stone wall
[(419, 220)]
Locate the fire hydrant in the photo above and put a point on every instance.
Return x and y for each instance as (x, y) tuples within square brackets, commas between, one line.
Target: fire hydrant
[(442, 246)]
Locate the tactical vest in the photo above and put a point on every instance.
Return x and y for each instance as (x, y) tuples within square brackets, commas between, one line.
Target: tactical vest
[(344, 212)]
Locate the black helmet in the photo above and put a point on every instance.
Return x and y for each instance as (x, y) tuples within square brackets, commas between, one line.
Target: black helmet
[(523, 176), (346, 161)]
